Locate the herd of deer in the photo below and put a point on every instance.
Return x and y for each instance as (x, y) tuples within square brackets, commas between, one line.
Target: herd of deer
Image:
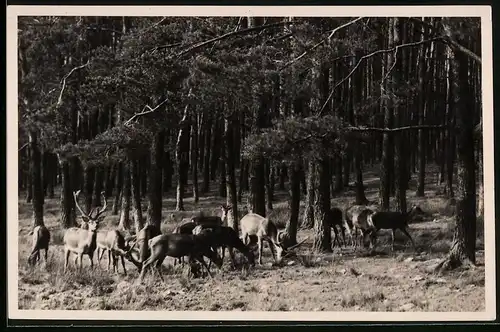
[(203, 236)]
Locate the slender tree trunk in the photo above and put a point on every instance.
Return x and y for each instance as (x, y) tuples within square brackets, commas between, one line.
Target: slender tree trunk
[(399, 155), (155, 192), (294, 206), (322, 231), (36, 176), (125, 203), (194, 160), (269, 188), (182, 157), (206, 164), (68, 216), (308, 217), (136, 195), (118, 188), (229, 156)]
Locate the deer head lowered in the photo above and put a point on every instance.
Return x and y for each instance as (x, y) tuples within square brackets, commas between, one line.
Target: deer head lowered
[(83, 240)]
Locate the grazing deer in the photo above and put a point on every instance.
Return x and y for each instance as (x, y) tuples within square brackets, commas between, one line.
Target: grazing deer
[(178, 245), (41, 239), (224, 236), (254, 225), (141, 240), (357, 216), (115, 245), (335, 218), (83, 241), (393, 220)]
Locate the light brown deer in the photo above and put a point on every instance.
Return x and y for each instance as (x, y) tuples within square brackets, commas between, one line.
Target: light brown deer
[(357, 216), (254, 225), (81, 241), (112, 242)]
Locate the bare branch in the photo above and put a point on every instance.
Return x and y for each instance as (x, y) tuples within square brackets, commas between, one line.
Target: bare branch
[(363, 58), (320, 43), (151, 110), (23, 147), (230, 34), (59, 100), (391, 130)]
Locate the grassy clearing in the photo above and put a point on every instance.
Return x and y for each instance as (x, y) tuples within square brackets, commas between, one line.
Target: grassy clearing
[(342, 281)]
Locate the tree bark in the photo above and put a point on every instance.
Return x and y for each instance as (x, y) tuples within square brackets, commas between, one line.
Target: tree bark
[(135, 193), (194, 160), (155, 192), (322, 231), (229, 156), (182, 157), (308, 217), (68, 216), (463, 250), (125, 203), (294, 206), (36, 179)]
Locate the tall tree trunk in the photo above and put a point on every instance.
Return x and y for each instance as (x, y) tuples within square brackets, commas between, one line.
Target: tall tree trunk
[(68, 216), (36, 179), (182, 156), (230, 156), (155, 192), (294, 206), (268, 186), (399, 154), (194, 160), (463, 250), (125, 203), (308, 217), (135, 192), (386, 165), (118, 188), (206, 164), (322, 231)]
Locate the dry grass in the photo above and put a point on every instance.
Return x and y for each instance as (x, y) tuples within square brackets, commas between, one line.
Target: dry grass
[(342, 281)]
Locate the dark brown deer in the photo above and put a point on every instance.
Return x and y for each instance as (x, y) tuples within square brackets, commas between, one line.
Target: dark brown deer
[(335, 219), (83, 240), (222, 237), (178, 245), (393, 220), (41, 239)]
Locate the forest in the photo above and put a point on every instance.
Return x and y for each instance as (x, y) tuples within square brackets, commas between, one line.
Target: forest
[(285, 117)]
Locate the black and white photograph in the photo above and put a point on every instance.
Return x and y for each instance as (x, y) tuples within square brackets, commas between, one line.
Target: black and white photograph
[(250, 163)]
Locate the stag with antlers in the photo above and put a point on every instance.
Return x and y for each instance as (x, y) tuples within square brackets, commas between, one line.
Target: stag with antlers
[(83, 240)]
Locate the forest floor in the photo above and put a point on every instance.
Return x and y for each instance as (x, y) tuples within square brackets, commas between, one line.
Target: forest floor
[(402, 280)]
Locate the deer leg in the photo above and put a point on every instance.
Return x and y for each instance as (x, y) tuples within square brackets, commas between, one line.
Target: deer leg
[(202, 261), (158, 265), (393, 233), (91, 258), (145, 265), (231, 255), (259, 243), (271, 247), (80, 261), (66, 259), (123, 265), (405, 231)]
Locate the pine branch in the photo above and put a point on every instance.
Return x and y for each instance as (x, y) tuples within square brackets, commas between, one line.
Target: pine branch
[(363, 58), (320, 43), (150, 110), (230, 34), (59, 100)]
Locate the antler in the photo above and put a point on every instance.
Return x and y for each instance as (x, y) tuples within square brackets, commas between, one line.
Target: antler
[(298, 244), (101, 211), (75, 196)]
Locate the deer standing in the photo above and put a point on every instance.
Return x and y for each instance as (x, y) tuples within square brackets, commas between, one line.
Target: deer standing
[(81, 241)]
